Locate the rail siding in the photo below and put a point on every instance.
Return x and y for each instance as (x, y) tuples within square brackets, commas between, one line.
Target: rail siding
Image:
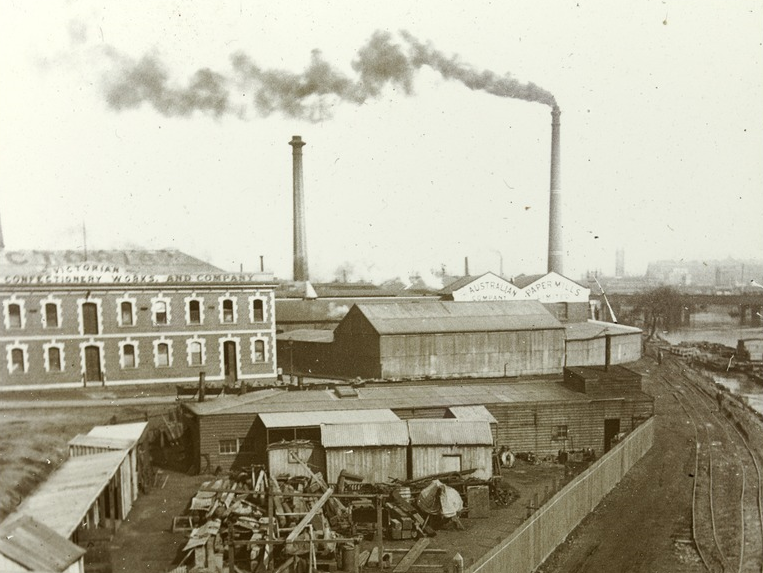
[(541, 533)]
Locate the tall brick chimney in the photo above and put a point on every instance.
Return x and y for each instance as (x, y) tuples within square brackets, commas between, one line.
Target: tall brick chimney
[(300, 240), (555, 249)]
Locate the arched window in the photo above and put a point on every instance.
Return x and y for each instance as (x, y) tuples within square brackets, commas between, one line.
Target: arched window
[(259, 351), (194, 351), (126, 313), (162, 354), (51, 315), (128, 356), (54, 359), (258, 309), (14, 315), (160, 312), (18, 364), (89, 318), (194, 312), (227, 310)]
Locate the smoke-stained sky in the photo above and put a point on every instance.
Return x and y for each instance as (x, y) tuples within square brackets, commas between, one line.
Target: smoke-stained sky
[(166, 125)]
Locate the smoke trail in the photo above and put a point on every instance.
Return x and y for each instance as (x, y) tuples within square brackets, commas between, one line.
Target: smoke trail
[(310, 94)]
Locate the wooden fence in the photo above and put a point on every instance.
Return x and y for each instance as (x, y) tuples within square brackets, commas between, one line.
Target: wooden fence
[(537, 537)]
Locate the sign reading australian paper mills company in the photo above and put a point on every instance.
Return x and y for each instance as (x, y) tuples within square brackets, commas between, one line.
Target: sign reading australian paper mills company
[(487, 287)]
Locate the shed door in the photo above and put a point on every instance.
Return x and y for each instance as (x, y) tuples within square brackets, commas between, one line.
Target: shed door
[(92, 364), (611, 429)]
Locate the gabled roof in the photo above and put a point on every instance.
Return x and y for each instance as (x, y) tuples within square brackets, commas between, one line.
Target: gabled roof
[(446, 316), (316, 418), (365, 434), (523, 280), (62, 501), (35, 546), (439, 432), (457, 284), (133, 431)]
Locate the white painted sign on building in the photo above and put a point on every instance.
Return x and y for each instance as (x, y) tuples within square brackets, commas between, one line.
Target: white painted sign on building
[(553, 287), (487, 287)]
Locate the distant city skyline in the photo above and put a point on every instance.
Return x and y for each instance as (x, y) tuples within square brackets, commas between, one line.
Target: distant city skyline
[(407, 168)]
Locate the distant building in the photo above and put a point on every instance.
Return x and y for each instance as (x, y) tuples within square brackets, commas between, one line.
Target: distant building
[(128, 317)]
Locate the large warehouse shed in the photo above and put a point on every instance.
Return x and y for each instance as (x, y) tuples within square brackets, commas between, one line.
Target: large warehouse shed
[(438, 339)]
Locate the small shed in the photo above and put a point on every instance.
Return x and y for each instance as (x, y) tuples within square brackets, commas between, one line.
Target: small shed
[(290, 434), (85, 492), (127, 437), (28, 545), (595, 343), (376, 451), (439, 446)]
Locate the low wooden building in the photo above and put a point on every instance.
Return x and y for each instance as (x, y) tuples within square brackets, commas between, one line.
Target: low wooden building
[(86, 493), (29, 545), (376, 451), (446, 445)]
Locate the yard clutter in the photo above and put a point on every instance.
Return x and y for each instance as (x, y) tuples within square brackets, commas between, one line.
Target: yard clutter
[(251, 521)]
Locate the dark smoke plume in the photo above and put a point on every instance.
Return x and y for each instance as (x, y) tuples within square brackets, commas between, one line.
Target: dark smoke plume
[(307, 95)]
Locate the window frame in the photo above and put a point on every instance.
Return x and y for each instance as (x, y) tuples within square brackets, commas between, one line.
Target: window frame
[(133, 302), (46, 348), (98, 315), (255, 340), (167, 310), (11, 350), (229, 446), (188, 316), (202, 351), (252, 314), (44, 304), (157, 344), (560, 432), (123, 355), (221, 308), (13, 301)]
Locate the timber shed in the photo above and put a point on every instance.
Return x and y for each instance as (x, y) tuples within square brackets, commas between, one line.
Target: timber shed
[(376, 451), (439, 446), (439, 339), (594, 343), (28, 545)]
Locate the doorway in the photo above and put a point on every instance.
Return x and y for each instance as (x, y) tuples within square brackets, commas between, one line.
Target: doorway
[(92, 364), (611, 429), (230, 361)]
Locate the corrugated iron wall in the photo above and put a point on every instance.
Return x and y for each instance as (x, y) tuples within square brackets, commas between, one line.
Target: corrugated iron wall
[(537, 538), (624, 348), (473, 354), (281, 461), (428, 460), (374, 464)]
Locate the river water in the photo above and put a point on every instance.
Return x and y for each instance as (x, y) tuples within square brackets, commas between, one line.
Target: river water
[(727, 334)]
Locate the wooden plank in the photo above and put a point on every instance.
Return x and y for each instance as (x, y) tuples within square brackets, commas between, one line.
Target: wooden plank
[(410, 558), (309, 516)]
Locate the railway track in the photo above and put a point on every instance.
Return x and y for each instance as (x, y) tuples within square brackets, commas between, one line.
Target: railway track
[(728, 536)]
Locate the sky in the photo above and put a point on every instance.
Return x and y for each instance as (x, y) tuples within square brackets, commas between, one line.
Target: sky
[(165, 125)]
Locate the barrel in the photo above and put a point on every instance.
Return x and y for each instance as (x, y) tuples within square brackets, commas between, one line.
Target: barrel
[(350, 558)]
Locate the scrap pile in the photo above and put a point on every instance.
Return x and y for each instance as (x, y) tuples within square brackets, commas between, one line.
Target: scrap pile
[(252, 521)]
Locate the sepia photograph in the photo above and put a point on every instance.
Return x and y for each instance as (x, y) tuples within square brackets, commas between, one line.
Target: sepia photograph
[(416, 287)]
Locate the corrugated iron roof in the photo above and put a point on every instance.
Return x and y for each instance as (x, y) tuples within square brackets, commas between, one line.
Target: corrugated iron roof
[(522, 281), (596, 329), (62, 501), (457, 284), (447, 316), (450, 432), (452, 393), (35, 546), (365, 434), (133, 431), (86, 440), (308, 335), (471, 413), (316, 418)]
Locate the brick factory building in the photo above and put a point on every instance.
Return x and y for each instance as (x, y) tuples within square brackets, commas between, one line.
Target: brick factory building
[(127, 317)]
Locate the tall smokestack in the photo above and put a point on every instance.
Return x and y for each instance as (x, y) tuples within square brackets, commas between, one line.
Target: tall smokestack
[(300, 241), (2, 243), (555, 251)]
